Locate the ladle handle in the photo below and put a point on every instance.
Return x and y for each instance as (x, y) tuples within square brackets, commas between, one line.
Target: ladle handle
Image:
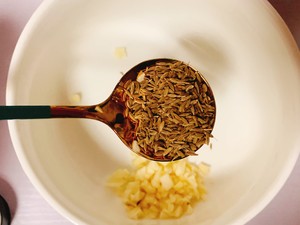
[(25, 112), (47, 111)]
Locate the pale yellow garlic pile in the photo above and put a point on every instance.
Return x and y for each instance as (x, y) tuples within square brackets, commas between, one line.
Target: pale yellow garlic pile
[(159, 190)]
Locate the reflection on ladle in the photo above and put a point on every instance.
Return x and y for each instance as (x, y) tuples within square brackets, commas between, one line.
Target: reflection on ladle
[(125, 110)]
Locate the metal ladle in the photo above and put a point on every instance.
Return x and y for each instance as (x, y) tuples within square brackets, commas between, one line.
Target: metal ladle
[(110, 112)]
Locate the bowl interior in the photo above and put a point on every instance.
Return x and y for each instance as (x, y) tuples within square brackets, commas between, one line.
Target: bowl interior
[(68, 47)]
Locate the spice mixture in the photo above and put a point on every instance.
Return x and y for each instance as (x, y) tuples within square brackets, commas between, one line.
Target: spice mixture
[(174, 109)]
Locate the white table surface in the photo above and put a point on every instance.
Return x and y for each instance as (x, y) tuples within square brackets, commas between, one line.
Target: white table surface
[(26, 204)]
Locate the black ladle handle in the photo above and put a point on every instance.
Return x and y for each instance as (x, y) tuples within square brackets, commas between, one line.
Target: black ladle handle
[(25, 112), (108, 115)]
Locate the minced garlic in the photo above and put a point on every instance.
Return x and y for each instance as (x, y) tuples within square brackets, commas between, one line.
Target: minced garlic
[(159, 190), (75, 98), (120, 52)]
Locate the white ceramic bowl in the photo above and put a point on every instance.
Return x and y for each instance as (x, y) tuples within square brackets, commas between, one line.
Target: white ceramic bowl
[(242, 47)]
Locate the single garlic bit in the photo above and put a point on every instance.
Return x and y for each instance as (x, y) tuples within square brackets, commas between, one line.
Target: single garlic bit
[(75, 98), (120, 52), (157, 190)]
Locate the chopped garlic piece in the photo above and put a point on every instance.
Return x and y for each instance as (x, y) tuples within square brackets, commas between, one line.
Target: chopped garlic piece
[(166, 182), (140, 77), (120, 53), (75, 98), (157, 190), (98, 109), (135, 146)]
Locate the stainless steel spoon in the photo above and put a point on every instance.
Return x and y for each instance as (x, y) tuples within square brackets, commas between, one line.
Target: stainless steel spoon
[(110, 112)]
